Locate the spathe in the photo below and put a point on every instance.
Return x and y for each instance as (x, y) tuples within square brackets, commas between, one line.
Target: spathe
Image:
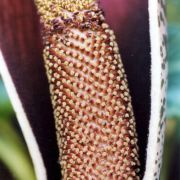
[(141, 54), (21, 47)]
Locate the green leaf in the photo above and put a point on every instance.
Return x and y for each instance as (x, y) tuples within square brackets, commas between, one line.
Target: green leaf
[(6, 109), (14, 154)]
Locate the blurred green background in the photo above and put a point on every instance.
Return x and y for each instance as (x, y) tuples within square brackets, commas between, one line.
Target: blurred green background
[(15, 163), (171, 164)]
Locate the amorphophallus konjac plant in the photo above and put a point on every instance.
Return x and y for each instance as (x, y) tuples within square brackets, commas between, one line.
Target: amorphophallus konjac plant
[(104, 63)]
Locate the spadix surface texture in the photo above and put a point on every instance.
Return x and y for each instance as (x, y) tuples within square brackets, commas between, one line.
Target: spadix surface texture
[(95, 125)]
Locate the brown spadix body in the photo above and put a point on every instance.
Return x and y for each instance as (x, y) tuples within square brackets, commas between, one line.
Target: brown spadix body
[(96, 131)]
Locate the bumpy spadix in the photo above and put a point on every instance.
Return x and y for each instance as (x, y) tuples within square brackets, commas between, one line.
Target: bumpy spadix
[(95, 125)]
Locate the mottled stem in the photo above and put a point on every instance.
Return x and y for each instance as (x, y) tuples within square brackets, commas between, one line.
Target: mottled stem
[(95, 125)]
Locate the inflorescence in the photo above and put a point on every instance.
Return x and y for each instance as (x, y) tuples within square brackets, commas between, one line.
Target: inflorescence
[(96, 130)]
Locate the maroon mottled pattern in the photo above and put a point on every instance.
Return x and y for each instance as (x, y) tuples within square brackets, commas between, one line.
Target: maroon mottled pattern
[(19, 41)]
